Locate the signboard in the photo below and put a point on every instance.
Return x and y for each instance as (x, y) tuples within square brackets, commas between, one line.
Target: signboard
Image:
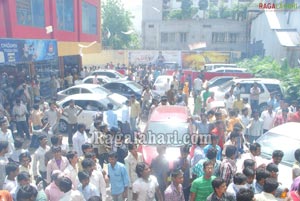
[(17, 50), (151, 56)]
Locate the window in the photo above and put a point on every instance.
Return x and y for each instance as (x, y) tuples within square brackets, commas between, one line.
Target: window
[(89, 18), (89, 81), (31, 12), (233, 37), (151, 26), (65, 15), (85, 91), (164, 37), (183, 37), (171, 37), (218, 37), (72, 91)]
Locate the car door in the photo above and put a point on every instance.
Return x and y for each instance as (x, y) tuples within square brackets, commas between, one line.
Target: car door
[(126, 91)]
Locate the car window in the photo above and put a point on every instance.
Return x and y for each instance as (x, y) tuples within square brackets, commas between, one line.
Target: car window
[(245, 88), (125, 89), (94, 106), (72, 91), (135, 86), (274, 88), (65, 104), (112, 86), (85, 91), (81, 103), (271, 142), (89, 81), (99, 90)]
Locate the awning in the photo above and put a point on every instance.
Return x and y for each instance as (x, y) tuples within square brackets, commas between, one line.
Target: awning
[(288, 38)]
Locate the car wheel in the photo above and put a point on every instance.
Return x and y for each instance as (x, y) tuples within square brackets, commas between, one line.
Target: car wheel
[(63, 126)]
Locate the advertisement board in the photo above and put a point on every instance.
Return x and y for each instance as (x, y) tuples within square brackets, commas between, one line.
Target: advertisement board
[(18, 50), (151, 56)]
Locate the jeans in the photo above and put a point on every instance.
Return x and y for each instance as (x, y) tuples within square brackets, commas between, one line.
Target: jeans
[(71, 130), (254, 105), (118, 197), (133, 124), (22, 127)]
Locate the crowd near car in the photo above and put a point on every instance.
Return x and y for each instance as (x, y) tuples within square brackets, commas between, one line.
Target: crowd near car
[(211, 138)]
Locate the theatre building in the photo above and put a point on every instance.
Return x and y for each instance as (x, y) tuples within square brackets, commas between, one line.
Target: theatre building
[(40, 38)]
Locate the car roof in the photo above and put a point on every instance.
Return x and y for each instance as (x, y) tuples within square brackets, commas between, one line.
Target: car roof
[(173, 113), (289, 129), (87, 86), (259, 80), (228, 68), (105, 70), (87, 97), (120, 81), (98, 76)]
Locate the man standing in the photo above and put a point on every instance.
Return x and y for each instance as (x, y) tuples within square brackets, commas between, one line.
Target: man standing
[(201, 187), (79, 138), (134, 113), (38, 163), (174, 191), (118, 178), (197, 86), (125, 126), (72, 112), (53, 115), (268, 117), (254, 96), (19, 112), (110, 117)]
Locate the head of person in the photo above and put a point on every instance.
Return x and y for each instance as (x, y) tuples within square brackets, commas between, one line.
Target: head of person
[(270, 185), (219, 186), (132, 98), (43, 140), (81, 128), (54, 140), (239, 179), (88, 165), (245, 111), (245, 194), (86, 148), (18, 144), (177, 176), (112, 158), (143, 170), (219, 124), (25, 159), (211, 154), (55, 176), (184, 151), (110, 106), (261, 175), (23, 178), (250, 174), (161, 150), (65, 184), (249, 163), (56, 152), (233, 136), (164, 100), (255, 149), (208, 168), (27, 193), (214, 140), (297, 155), (273, 169), (72, 157), (3, 147), (95, 198), (12, 169), (132, 148), (84, 178), (277, 156), (230, 151)]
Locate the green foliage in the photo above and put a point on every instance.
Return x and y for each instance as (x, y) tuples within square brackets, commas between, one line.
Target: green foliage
[(117, 20), (203, 4), (269, 68), (175, 15), (213, 11)]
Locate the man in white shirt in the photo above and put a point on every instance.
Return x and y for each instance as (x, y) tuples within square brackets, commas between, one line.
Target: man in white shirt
[(38, 162), (12, 171), (19, 112), (268, 117), (6, 135), (79, 138), (53, 115), (85, 187), (72, 169), (197, 86)]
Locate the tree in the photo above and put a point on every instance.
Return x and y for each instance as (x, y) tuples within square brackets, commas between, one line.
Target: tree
[(116, 24), (186, 9), (203, 4)]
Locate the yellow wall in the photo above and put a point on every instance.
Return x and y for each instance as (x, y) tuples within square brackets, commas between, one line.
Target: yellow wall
[(106, 56), (72, 48)]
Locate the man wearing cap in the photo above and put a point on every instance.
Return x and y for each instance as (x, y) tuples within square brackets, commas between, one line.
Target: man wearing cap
[(134, 113), (72, 111), (110, 116)]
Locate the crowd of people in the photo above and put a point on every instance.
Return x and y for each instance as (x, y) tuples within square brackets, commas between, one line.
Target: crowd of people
[(36, 164)]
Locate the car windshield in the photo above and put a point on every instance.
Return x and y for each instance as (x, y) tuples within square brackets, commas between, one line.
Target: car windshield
[(100, 90), (272, 141), (227, 85), (108, 99), (135, 86), (167, 133), (161, 80)]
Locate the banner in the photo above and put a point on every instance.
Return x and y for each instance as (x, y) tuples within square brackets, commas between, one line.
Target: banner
[(18, 50), (151, 56)]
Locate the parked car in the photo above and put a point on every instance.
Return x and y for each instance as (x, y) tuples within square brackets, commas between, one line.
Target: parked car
[(89, 80), (89, 89), (219, 80), (266, 86), (110, 73), (165, 125), (287, 139), (91, 104), (125, 88), (160, 85)]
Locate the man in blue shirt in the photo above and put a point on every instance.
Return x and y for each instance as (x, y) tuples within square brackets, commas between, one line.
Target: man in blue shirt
[(111, 117), (118, 177), (214, 144)]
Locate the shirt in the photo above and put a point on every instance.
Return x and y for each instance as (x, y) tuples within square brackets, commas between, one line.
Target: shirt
[(71, 173), (7, 136), (203, 128), (97, 180), (52, 165), (217, 147), (227, 170), (225, 197), (20, 111), (72, 113), (198, 84), (111, 119), (78, 140), (145, 189), (72, 195), (118, 177), (88, 191), (52, 116), (53, 192), (130, 163), (268, 119), (3, 162), (202, 188), (135, 109), (263, 196), (172, 194), (198, 168), (125, 114), (38, 162), (254, 93), (255, 127), (9, 184)]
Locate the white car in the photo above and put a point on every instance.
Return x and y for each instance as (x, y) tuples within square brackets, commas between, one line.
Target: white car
[(266, 86), (229, 70), (91, 105), (161, 84), (89, 89), (110, 73), (219, 80), (286, 138), (90, 79)]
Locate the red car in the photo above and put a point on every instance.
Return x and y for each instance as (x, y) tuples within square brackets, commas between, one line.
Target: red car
[(168, 126)]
